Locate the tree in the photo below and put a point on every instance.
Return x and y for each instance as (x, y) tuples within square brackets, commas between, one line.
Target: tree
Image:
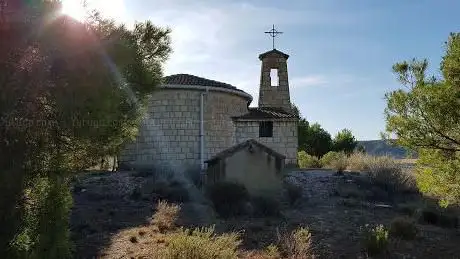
[(361, 149), (71, 93), (344, 141), (425, 117), (317, 141), (302, 128)]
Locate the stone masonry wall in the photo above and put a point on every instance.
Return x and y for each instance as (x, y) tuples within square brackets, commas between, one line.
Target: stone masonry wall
[(274, 96), (284, 138), (170, 132)]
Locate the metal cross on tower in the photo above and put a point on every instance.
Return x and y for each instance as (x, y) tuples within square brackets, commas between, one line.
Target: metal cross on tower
[(273, 33)]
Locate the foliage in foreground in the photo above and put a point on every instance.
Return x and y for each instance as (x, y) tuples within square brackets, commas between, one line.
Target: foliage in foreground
[(425, 117), (166, 215), (335, 160), (403, 227), (228, 198), (375, 240), (297, 244), (439, 216), (45, 230), (385, 172), (293, 191), (266, 206), (439, 176), (200, 243), (72, 93), (307, 161)]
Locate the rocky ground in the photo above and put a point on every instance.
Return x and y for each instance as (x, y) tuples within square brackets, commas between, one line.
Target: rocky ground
[(110, 218)]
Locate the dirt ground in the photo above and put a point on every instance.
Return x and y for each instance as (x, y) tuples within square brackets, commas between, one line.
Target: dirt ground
[(111, 215)]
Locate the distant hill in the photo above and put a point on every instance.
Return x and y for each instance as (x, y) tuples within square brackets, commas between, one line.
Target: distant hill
[(382, 148)]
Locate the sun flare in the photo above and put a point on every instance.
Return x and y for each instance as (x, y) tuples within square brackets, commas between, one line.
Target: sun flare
[(79, 11)]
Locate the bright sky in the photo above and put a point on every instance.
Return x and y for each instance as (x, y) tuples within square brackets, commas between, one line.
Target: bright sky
[(341, 51)]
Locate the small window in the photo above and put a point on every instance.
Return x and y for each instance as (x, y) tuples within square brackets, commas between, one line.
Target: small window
[(266, 129), (274, 77)]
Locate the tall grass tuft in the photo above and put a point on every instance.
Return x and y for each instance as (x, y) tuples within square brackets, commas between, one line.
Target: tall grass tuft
[(297, 244), (166, 215), (200, 243), (375, 240)]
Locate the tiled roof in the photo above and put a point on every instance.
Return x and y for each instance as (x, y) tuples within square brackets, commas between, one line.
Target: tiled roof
[(242, 145), (273, 51), (185, 79), (265, 113)]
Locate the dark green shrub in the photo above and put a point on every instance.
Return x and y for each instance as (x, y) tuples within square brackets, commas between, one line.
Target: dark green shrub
[(193, 174), (448, 221), (307, 161), (266, 206), (228, 198), (294, 192), (350, 190), (335, 160), (172, 191), (404, 228), (437, 216), (378, 194), (428, 216), (45, 230), (408, 208), (375, 240)]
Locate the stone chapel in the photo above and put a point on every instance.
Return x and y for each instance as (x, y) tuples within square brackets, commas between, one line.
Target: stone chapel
[(190, 119)]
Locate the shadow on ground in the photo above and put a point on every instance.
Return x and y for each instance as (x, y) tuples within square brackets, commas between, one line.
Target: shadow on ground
[(106, 203), (103, 205), (333, 207)]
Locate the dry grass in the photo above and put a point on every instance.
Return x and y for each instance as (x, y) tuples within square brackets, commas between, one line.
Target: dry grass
[(335, 160), (166, 215), (200, 243), (410, 161), (270, 252), (340, 164), (358, 162), (384, 171), (147, 243), (297, 244)]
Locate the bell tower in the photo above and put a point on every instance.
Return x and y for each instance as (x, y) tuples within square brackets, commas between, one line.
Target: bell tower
[(274, 82)]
